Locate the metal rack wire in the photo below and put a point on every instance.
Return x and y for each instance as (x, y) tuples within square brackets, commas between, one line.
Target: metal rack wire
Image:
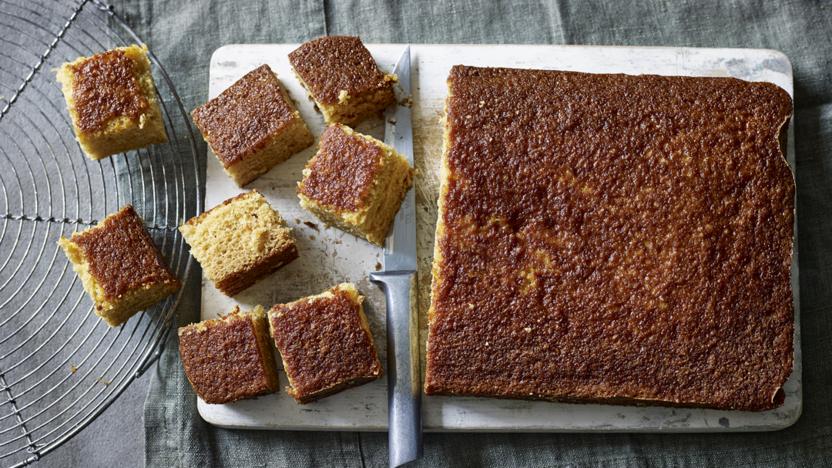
[(60, 366)]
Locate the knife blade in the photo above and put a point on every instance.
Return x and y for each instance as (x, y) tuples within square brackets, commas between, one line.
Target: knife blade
[(398, 280)]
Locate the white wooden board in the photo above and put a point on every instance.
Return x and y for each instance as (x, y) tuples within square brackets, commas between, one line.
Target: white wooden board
[(328, 256)]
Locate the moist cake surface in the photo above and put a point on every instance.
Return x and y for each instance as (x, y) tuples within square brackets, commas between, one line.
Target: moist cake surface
[(244, 117), (229, 358), (355, 182), (105, 87), (111, 99), (333, 64), (121, 255), (341, 175), (325, 343), (613, 238), (119, 266)]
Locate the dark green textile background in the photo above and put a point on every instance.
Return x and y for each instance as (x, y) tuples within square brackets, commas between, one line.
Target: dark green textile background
[(183, 35)]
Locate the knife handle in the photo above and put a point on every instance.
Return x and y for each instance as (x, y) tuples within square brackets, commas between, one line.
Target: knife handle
[(403, 377)]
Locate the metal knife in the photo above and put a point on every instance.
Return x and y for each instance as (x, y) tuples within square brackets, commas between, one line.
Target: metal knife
[(398, 281)]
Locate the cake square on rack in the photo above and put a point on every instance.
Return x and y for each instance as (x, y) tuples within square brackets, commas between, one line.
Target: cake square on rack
[(119, 266), (325, 343), (112, 101), (229, 358), (252, 126), (239, 241), (355, 182), (340, 75)]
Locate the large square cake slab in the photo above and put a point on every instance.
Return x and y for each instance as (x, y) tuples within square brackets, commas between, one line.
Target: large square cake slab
[(617, 238)]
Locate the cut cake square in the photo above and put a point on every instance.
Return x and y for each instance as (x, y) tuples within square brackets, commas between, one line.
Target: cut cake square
[(119, 266), (342, 77), (325, 343), (355, 183), (229, 358), (112, 101), (252, 126), (239, 241)]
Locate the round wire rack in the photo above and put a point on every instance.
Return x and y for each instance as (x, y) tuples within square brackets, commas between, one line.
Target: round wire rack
[(60, 366)]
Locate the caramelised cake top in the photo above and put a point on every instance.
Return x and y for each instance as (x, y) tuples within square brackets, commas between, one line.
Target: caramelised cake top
[(244, 117), (323, 341), (613, 238), (341, 174), (121, 254), (332, 64), (225, 359), (105, 86)]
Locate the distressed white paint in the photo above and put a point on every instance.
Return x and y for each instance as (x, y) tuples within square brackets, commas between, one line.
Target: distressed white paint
[(330, 256)]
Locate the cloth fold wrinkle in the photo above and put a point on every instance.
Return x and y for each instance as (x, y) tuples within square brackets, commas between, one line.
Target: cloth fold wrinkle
[(183, 35)]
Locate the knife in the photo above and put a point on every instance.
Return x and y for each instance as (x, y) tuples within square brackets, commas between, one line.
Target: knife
[(398, 281)]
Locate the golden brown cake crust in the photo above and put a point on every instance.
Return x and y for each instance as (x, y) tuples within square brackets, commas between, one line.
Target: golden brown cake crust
[(121, 254), (616, 238), (104, 87), (223, 361), (324, 345), (342, 173), (243, 118), (332, 64)]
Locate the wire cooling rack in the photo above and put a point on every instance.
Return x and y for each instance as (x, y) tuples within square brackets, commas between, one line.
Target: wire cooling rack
[(60, 366)]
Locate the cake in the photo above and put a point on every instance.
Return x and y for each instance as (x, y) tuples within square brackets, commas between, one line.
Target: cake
[(613, 238), (239, 241), (252, 126), (229, 358), (325, 343), (355, 183), (112, 101), (342, 78), (119, 266)]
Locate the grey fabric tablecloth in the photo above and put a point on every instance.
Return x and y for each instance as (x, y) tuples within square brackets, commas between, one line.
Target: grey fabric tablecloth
[(184, 34)]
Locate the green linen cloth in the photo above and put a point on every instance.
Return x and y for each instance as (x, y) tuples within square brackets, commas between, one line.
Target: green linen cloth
[(183, 34)]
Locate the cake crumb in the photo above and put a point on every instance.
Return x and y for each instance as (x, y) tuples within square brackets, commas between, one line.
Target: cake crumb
[(378, 266), (312, 225)]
